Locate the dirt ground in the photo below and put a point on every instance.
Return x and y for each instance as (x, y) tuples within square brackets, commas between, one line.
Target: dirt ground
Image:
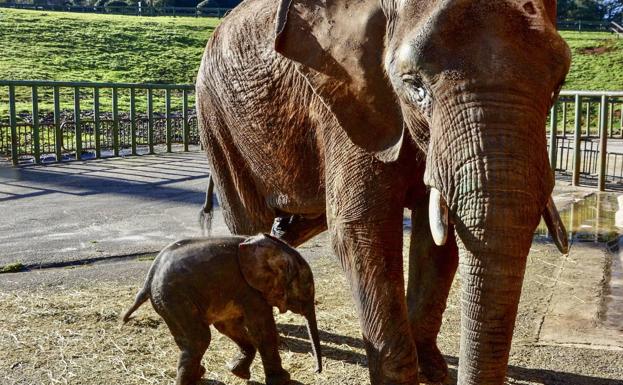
[(61, 326)]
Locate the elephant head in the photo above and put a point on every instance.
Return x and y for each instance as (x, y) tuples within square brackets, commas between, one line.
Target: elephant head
[(471, 81), (284, 278)]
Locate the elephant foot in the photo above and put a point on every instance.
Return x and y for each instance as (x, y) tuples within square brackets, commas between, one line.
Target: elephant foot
[(279, 378), (433, 368), (241, 366)]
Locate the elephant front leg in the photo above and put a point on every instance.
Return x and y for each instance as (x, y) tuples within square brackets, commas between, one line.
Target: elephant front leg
[(431, 272), (371, 255)]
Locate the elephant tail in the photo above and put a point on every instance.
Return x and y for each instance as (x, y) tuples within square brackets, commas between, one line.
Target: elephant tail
[(144, 294), (206, 213)]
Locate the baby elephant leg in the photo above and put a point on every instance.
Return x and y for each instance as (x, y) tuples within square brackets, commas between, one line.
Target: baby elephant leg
[(263, 332), (189, 368), (241, 364), (191, 335)]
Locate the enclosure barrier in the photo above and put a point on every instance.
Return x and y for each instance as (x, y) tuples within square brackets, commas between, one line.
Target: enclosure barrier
[(130, 10), (47, 121), (585, 137), (51, 121)]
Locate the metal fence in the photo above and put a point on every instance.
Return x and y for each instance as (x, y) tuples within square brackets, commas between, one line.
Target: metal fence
[(587, 144), (77, 121), (126, 10), (584, 25)]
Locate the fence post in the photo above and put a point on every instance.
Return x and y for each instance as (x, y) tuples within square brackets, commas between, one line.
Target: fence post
[(150, 120), (564, 119), (167, 104), (35, 124), (78, 128), (133, 118), (588, 119), (96, 121), (603, 142), (185, 117), (553, 136), (13, 124), (115, 121), (576, 138), (58, 133)]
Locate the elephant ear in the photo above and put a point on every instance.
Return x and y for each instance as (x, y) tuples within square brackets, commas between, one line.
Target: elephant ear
[(339, 47), (267, 268)]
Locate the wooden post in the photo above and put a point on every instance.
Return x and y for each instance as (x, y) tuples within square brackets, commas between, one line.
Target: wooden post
[(167, 105), (185, 117), (150, 120), (133, 118), (115, 121)]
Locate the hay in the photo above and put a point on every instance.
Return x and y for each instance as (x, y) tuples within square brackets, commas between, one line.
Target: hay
[(74, 336)]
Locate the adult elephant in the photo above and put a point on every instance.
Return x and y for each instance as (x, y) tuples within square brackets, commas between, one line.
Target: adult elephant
[(359, 108)]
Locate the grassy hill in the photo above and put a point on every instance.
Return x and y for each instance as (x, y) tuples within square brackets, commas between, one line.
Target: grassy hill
[(72, 46), (89, 47)]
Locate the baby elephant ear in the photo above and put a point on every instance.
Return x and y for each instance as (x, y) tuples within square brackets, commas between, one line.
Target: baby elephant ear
[(266, 267)]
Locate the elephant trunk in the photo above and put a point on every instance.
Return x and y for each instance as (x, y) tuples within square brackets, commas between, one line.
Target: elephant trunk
[(312, 330), (490, 168)]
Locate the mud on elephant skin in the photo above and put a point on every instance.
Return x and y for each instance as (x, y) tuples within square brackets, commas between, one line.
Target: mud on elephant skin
[(352, 110), (231, 283)]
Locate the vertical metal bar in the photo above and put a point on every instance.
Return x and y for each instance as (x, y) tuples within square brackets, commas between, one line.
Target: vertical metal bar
[(553, 135), (13, 124), (115, 121), (96, 122), (58, 134), (588, 119), (564, 119), (133, 119), (150, 120), (611, 119), (35, 124), (78, 128), (603, 142), (167, 106), (576, 137), (185, 117)]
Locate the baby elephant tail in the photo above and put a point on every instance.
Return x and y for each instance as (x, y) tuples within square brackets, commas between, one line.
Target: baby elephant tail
[(141, 298), (145, 292)]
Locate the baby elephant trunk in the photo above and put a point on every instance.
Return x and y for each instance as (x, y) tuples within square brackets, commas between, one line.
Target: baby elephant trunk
[(312, 329)]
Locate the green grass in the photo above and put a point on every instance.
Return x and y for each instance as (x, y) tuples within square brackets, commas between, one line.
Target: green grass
[(597, 61), (112, 48), (12, 268)]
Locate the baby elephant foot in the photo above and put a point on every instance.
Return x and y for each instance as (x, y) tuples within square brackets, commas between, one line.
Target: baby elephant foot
[(279, 378), (433, 368), (240, 366)]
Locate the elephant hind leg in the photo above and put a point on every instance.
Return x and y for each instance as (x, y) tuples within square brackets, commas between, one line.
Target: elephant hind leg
[(244, 208), (431, 272)]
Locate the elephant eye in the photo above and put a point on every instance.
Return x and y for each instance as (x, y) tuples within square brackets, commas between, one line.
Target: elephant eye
[(416, 90)]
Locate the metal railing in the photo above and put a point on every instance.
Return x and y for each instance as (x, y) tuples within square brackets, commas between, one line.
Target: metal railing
[(584, 25), (126, 10), (82, 120), (587, 140)]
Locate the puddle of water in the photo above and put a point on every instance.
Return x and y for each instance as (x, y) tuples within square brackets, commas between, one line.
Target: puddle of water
[(593, 220)]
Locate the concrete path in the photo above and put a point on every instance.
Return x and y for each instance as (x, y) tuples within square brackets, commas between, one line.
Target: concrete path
[(86, 210)]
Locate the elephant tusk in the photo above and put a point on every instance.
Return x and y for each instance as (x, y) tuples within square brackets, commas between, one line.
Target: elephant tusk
[(556, 227), (438, 217)]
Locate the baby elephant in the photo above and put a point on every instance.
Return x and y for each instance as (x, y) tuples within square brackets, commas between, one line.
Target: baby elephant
[(231, 283)]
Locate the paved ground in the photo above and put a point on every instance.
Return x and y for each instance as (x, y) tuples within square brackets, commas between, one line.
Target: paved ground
[(81, 211)]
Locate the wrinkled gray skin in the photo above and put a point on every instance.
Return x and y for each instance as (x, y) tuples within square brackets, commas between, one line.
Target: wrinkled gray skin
[(231, 283), (354, 109)]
